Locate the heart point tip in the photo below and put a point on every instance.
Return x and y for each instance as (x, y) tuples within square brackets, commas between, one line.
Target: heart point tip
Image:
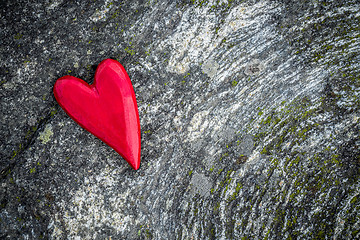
[(135, 166)]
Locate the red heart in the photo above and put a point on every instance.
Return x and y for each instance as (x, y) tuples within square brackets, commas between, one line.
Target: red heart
[(107, 108)]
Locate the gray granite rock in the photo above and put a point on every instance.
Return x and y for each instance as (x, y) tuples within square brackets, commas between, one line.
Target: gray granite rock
[(249, 116)]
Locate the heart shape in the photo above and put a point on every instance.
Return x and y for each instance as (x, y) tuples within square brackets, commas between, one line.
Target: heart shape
[(107, 108)]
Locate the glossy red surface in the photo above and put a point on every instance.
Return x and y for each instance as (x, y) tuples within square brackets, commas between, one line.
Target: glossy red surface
[(107, 108)]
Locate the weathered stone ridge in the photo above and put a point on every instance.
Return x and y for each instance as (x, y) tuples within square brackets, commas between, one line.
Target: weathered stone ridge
[(249, 111)]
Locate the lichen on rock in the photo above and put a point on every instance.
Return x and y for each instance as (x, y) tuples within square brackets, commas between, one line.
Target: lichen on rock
[(45, 136)]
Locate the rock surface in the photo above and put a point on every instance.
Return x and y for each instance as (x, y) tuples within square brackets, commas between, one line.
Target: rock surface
[(250, 117)]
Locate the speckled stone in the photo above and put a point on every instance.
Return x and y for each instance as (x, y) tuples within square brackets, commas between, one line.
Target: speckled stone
[(249, 111)]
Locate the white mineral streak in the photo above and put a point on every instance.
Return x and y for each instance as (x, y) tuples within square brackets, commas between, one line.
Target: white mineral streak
[(198, 125), (195, 40), (92, 209)]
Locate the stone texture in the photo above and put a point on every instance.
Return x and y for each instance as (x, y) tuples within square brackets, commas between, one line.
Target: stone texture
[(249, 113)]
